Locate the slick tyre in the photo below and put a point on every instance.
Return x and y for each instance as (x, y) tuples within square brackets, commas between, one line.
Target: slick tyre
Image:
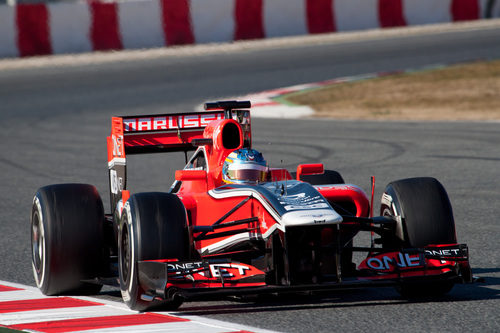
[(153, 226), (423, 207), (328, 177), (424, 216), (67, 239)]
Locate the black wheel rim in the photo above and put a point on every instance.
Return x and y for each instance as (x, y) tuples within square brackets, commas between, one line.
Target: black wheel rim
[(37, 245), (125, 253)]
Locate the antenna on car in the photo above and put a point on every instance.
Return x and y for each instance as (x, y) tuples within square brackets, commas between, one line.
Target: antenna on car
[(283, 186), (286, 180), (227, 106)]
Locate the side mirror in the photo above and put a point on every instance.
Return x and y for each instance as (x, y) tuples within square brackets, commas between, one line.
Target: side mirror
[(183, 175), (310, 169)]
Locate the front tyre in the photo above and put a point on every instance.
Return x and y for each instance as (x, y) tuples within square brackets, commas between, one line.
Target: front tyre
[(67, 238), (423, 209), (424, 217), (153, 226)]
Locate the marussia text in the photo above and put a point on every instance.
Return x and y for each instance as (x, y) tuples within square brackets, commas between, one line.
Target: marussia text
[(170, 122)]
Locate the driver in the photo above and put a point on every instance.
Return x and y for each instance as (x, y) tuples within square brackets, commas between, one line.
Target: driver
[(244, 166)]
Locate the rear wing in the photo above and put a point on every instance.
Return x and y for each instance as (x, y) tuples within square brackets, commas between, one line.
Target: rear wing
[(171, 132)]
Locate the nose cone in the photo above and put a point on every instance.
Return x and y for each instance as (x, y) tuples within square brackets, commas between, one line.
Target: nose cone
[(311, 217)]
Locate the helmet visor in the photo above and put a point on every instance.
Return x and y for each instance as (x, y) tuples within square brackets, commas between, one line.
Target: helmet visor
[(250, 173)]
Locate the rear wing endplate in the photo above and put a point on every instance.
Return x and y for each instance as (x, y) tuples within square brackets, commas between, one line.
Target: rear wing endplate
[(171, 132)]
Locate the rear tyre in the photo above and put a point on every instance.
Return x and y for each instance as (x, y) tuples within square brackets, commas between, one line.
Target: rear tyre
[(67, 239), (424, 217), (153, 226), (328, 177)]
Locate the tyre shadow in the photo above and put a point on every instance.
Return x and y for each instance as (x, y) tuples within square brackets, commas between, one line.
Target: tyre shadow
[(488, 288)]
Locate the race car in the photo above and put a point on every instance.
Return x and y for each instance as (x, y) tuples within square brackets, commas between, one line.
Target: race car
[(232, 225)]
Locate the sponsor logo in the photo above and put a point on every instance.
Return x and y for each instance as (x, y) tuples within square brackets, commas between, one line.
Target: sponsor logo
[(228, 270), (390, 262), (302, 201), (444, 253), (447, 252), (341, 187), (386, 200), (314, 216), (117, 145), (225, 270), (185, 266), (116, 183), (315, 206), (263, 223), (169, 122), (113, 177)]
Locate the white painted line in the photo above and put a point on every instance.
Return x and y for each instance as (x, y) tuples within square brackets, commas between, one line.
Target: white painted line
[(20, 286), (107, 309), (188, 327), (232, 326), (23, 317), (15, 295)]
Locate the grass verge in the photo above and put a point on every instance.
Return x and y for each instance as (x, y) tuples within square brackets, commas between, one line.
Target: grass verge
[(455, 93)]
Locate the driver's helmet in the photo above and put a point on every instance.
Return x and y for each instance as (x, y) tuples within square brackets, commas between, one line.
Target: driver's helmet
[(244, 166)]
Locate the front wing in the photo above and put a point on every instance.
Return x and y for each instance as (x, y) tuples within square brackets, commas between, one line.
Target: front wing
[(204, 279)]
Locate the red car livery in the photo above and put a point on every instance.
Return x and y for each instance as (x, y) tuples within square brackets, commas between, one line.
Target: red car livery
[(207, 238)]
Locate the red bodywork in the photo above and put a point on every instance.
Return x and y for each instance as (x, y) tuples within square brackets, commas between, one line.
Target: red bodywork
[(214, 134)]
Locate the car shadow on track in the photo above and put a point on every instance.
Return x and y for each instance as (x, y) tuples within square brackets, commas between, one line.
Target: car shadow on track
[(487, 286), (486, 289)]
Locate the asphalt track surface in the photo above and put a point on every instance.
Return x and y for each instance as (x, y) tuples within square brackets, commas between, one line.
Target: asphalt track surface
[(54, 121)]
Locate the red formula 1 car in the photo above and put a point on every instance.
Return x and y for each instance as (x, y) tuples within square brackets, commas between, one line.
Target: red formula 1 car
[(231, 225)]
